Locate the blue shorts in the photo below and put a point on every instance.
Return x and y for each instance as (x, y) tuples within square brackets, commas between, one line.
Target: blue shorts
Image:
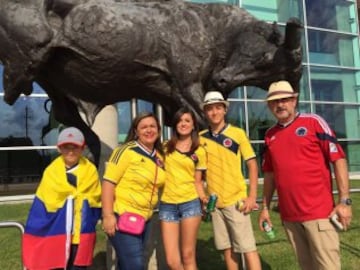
[(172, 212)]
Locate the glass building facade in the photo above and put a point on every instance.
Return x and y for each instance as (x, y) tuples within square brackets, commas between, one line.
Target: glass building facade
[(330, 87)]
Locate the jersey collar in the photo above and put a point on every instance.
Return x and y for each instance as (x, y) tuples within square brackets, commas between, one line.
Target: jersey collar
[(221, 131), (289, 123), (151, 154)]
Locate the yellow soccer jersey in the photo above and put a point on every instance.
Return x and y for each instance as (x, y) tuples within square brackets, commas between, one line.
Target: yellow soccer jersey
[(180, 175), (224, 153), (133, 170)]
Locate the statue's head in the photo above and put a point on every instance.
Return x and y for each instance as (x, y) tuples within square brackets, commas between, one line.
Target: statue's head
[(260, 56)]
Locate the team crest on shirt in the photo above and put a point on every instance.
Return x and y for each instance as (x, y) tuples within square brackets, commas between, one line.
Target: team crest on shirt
[(333, 148), (227, 142), (301, 131)]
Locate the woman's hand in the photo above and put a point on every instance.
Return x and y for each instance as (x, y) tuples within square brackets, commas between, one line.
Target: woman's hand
[(109, 225)]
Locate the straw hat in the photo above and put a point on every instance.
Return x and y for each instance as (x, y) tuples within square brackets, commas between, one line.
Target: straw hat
[(212, 97), (279, 90)]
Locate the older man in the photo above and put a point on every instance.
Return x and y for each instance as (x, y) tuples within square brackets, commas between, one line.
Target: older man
[(298, 153)]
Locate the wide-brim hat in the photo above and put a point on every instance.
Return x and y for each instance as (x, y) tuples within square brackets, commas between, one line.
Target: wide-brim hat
[(213, 97), (71, 135), (279, 90)]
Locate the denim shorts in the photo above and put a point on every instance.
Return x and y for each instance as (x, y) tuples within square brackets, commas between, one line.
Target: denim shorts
[(175, 212)]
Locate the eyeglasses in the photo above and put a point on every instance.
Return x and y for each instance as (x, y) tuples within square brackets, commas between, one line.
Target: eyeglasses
[(281, 100)]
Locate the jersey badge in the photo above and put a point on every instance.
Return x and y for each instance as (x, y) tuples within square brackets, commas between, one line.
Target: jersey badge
[(301, 131), (333, 148), (227, 142)]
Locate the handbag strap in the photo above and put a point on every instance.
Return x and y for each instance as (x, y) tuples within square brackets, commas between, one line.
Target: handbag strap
[(154, 185)]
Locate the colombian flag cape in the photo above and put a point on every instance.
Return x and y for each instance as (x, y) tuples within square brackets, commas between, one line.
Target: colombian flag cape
[(62, 214)]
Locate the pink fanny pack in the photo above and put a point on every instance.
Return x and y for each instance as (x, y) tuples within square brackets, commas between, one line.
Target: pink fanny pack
[(131, 223)]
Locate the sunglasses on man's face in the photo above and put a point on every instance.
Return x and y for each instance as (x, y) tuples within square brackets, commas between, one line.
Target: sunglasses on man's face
[(281, 100)]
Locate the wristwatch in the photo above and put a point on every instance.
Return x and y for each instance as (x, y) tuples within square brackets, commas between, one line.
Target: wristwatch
[(346, 201)]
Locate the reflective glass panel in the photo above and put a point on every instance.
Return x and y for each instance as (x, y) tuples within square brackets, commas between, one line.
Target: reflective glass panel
[(124, 119), (304, 107), (28, 122), (335, 14), (21, 170), (335, 84), (343, 119), (332, 48), (237, 93), (231, 2), (37, 89), (259, 151), (236, 114), (255, 93), (274, 10), (304, 92), (260, 119), (352, 150), (144, 106)]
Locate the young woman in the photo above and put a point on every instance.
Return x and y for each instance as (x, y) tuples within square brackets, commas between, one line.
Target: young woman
[(132, 178), (180, 208)]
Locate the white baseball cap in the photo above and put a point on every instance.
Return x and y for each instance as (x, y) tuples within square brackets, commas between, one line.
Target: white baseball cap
[(212, 97), (71, 135)]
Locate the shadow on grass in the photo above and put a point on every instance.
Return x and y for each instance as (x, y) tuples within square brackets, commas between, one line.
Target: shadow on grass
[(264, 265), (99, 262), (351, 249), (208, 258)]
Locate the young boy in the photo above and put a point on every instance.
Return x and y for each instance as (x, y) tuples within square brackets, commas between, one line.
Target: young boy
[(60, 230)]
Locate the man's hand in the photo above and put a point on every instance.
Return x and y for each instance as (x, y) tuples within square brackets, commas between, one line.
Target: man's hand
[(344, 213), (264, 216)]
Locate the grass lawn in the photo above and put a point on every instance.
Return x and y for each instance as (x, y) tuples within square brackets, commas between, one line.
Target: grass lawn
[(275, 255)]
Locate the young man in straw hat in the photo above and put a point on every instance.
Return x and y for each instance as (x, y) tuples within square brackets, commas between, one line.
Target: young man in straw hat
[(298, 150), (226, 145)]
